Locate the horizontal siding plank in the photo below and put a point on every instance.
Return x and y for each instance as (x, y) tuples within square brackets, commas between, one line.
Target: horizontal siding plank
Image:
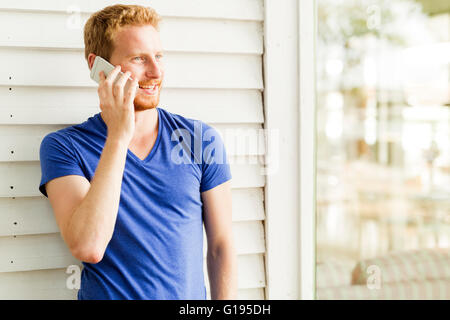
[(36, 285), (251, 294), (66, 294), (51, 283), (242, 140), (51, 30), (23, 293), (248, 204), (21, 143), (34, 252), (248, 237), (249, 174), (67, 105), (48, 251), (230, 9), (34, 215), (21, 179), (182, 70), (26, 216), (251, 272)]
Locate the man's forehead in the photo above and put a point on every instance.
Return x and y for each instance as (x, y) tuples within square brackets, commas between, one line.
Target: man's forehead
[(138, 39)]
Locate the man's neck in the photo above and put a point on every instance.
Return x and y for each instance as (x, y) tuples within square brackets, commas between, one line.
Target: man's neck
[(146, 123)]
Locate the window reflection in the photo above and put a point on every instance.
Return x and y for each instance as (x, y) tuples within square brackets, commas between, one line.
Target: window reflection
[(383, 149)]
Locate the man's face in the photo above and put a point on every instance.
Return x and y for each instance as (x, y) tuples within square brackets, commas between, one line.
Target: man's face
[(138, 49)]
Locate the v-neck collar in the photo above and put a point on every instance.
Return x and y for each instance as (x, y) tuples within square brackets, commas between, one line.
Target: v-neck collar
[(129, 152)]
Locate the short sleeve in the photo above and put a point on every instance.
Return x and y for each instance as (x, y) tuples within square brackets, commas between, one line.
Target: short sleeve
[(57, 159), (215, 166)]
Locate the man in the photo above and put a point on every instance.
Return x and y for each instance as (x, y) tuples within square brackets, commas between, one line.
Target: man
[(129, 201)]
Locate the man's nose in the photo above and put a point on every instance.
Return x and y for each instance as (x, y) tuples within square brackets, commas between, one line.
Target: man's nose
[(153, 69)]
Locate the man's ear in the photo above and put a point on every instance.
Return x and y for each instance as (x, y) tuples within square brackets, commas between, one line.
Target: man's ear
[(91, 58)]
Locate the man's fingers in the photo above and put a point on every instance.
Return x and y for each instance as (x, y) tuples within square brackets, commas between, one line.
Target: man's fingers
[(130, 94), (112, 75), (119, 85)]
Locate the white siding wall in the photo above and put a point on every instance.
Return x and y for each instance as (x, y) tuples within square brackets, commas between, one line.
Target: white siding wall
[(214, 52)]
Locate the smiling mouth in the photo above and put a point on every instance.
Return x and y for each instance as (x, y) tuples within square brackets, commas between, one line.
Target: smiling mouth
[(150, 90)]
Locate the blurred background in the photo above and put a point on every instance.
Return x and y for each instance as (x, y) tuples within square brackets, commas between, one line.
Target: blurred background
[(383, 149)]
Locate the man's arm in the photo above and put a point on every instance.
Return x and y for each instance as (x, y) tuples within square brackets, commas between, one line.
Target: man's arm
[(221, 256), (86, 213)]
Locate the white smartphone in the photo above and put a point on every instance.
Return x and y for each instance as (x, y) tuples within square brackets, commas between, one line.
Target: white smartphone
[(101, 64)]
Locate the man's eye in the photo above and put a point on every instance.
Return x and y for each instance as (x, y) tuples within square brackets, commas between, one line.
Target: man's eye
[(137, 58), (159, 56)]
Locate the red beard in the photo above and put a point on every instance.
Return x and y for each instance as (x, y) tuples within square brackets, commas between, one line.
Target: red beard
[(142, 101)]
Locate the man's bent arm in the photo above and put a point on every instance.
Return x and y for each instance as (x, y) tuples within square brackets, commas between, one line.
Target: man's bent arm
[(89, 227)]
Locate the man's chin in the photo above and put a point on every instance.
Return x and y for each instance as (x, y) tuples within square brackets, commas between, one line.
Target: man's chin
[(142, 108), (143, 105)]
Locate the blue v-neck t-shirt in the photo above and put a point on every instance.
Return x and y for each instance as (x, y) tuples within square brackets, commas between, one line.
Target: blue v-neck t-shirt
[(156, 251)]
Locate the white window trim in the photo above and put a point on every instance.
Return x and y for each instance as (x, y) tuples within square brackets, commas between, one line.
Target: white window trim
[(289, 108), (307, 29)]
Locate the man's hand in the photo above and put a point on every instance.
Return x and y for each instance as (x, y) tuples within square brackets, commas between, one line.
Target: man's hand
[(117, 106)]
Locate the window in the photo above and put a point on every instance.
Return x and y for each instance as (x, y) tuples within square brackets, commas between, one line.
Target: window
[(383, 149)]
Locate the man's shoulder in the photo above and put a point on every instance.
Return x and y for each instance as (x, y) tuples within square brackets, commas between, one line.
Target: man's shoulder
[(67, 134), (180, 121), (178, 117), (61, 135), (177, 121)]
